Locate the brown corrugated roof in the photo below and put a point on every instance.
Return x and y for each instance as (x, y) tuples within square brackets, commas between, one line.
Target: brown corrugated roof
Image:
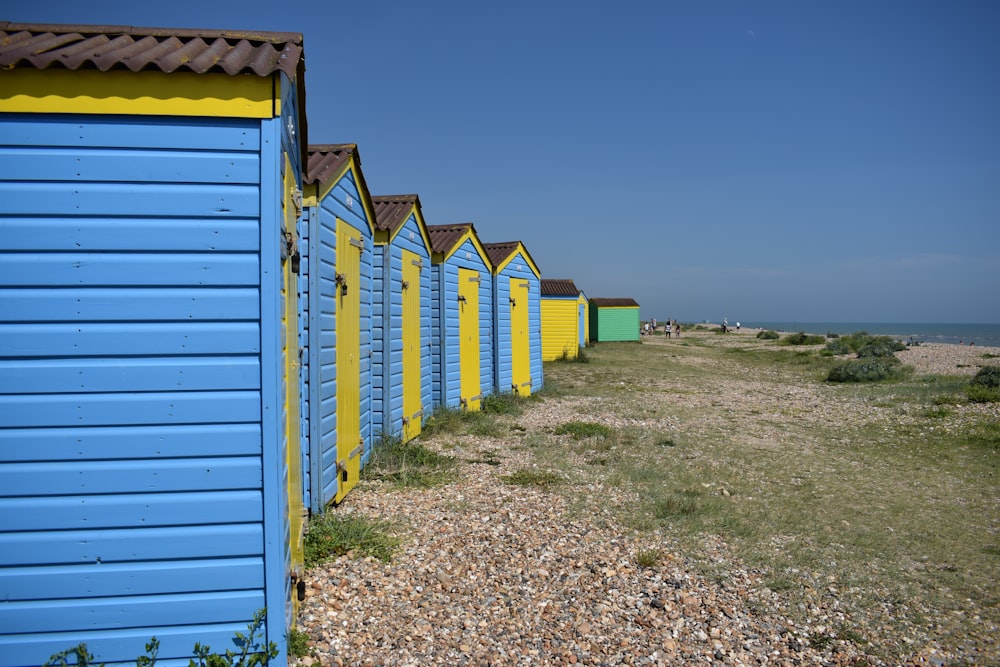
[(559, 287), (326, 160), (76, 47), (444, 237), (598, 301), (498, 252), (392, 211)]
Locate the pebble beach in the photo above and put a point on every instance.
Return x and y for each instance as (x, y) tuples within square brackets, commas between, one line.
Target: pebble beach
[(494, 574)]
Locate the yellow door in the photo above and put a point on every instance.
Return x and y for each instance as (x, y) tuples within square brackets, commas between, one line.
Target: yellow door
[(290, 352), (520, 351), (349, 446), (412, 405), (468, 331)]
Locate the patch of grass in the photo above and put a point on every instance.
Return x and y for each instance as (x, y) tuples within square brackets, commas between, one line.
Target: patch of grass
[(529, 477), (648, 557), (768, 334), (582, 430), (985, 385), (336, 533), (502, 404), (409, 464)]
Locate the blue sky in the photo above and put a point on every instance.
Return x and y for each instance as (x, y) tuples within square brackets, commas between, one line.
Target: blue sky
[(809, 161)]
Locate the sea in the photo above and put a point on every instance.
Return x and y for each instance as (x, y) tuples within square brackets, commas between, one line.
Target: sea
[(954, 334)]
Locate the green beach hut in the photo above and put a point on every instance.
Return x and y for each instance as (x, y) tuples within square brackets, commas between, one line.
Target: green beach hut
[(614, 320)]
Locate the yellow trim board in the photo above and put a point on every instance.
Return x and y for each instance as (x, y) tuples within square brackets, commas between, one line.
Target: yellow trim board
[(139, 93)]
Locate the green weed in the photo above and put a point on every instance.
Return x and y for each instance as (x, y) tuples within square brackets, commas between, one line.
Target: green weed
[(336, 533)]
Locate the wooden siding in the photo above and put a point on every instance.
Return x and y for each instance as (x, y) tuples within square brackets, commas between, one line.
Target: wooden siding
[(610, 323), (387, 317), (559, 328), (519, 271), (142, 476), (341, 206), (445, 336)]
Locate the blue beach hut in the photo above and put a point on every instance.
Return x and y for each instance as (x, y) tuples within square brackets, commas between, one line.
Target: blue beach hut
[(517, 331), (401, 318), (462, 342), (149, 185), (338, 221)]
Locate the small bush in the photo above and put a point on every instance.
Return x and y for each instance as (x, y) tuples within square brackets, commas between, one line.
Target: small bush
[(335, 534), (802, 338), (298, 643), (768, 334), (988, 376), (879, 346), (582, 430), (871, 369), (985, 385), (836, 347)]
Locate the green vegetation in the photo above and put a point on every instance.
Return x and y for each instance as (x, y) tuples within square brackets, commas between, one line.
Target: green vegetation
[(648, 557), (580, 430), (802, 338), (252, 652), (409, 464), (529, 477), (768, 334), (869, 369), (985, 385), (337, 533), (298, 643)]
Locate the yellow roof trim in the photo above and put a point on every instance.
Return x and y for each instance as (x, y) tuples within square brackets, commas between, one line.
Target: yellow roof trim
[(527, 258), (147, 93)]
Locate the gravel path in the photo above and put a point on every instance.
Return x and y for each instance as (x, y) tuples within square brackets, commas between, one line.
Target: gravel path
[(495, 574)]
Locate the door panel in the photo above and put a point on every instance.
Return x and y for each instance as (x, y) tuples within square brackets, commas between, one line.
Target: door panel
[(412, 404), (520, 350), (468, 331), (349, 445)]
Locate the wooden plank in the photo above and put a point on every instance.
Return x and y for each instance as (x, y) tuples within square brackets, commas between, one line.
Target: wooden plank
[(78, 478), (45, 376), (113, 199), (130, 409), (129, 269), (81, 165), (162, 234), (122, 612), (130, 544), (128, 338), (129, 442), (144, 578), (134, 132), (97, 304)]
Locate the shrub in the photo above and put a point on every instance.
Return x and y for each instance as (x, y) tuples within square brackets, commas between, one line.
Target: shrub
[(802, 338), (879, 346), (869, 369), (768, 334), (985, 385), (836, 347), (988, 376), (502, 404)]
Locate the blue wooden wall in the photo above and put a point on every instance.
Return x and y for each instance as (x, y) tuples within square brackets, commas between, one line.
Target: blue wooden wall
[(387, 318), (445, 335), (518, 267), (344, 201), (141, 450)]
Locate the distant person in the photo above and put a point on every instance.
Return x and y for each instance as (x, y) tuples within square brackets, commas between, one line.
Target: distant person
[(677, 329), (737, 326), (667, 328)]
